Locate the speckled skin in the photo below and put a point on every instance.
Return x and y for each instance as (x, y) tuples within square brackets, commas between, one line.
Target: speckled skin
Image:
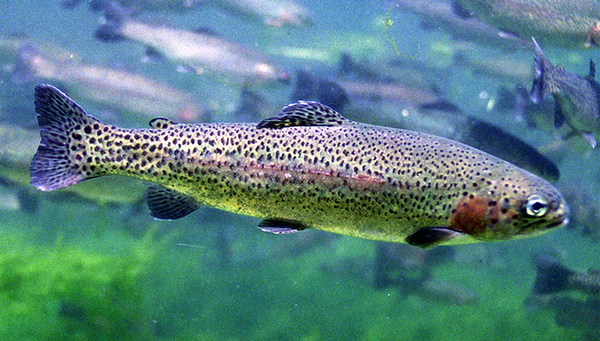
[(354, 179)]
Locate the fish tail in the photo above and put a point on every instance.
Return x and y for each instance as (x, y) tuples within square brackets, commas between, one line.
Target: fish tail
[(542, 75), (62, 128), (551, 277)]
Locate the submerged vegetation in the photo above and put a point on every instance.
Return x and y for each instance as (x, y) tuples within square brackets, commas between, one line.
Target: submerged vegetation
[(65, 291)]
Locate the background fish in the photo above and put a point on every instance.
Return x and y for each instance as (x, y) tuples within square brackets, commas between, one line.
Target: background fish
[(201, 51), (553, 278), (576, 98), (307, 168), (565, 23), (572, 296), (133, 94), (276, 13), (442, 14), (138, 5)]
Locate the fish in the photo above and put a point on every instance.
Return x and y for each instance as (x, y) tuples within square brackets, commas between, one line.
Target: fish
[(443, 15), (140, 5), (307, 167), (578, 314), (275, 13), (561, 23), (552, 278), (574, 297), (110, 87), (362, 83), (203, 51), (577, 99)]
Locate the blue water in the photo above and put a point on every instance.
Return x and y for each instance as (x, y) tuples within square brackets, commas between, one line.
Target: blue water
[(98, 269)]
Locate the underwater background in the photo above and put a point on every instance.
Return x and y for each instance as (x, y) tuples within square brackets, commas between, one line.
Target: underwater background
[(91, 264)]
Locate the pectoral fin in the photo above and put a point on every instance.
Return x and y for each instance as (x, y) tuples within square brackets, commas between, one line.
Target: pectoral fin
[(167, 204), (431, 236)]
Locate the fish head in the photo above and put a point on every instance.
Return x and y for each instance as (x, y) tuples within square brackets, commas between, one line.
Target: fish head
[(510, 209)]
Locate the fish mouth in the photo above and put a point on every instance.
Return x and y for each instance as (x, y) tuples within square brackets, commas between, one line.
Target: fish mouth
[(558, 223), (545, 225)]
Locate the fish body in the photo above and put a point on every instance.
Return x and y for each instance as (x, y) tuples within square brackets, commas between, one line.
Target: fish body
[(576, 98), (565, 23), (202, 52), (275, 13), (309, 167)]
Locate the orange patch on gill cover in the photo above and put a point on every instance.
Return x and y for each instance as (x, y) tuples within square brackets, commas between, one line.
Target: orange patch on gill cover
[(470, 215)]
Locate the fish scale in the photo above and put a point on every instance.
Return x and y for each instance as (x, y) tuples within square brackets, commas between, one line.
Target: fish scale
[(339, 176)]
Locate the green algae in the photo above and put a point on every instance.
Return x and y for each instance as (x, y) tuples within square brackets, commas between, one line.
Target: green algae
[(66, 292)]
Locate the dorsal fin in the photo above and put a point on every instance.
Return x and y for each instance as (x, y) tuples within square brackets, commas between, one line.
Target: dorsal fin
[(161, 123), (304, 113)]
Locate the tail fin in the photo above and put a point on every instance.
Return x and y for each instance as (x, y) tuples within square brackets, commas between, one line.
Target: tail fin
[(551, 276), (62, 126)]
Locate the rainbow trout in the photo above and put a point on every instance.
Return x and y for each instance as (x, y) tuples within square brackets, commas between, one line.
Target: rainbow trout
[(308, 167)]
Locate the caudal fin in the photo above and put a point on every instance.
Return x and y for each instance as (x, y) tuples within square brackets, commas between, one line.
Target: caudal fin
[(61, 123)]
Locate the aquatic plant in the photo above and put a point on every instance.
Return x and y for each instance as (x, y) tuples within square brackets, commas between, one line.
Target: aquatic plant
[(66, 292)]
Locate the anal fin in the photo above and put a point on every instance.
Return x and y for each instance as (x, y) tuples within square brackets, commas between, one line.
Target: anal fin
[(168, 204), (279, 226)]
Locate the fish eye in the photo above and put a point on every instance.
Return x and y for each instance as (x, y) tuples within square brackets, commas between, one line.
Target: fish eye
[(536, 206)]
